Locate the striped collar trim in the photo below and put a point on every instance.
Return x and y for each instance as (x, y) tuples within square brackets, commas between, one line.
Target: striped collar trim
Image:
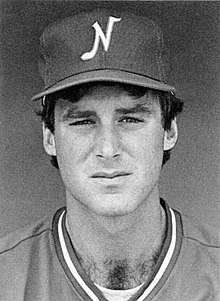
[(92, 293)]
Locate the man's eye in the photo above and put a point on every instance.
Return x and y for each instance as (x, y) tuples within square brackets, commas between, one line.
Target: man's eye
[(130, 120), (83, 122)]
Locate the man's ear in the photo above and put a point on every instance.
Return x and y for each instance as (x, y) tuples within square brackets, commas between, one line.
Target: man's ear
[(49, 141), (170, 136)]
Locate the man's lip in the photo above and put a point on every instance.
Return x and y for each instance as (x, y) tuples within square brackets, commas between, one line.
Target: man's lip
[(110, 175)]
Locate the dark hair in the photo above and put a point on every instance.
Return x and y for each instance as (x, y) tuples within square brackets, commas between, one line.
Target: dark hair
[(169, 104)]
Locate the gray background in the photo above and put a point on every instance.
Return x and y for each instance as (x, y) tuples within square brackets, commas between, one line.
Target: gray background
[(30, 187)]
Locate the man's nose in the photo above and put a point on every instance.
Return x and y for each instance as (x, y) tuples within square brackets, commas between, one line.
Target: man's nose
[(107, 143)]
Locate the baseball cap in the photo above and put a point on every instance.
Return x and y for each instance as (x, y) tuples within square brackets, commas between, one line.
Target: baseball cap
[(102, 45)]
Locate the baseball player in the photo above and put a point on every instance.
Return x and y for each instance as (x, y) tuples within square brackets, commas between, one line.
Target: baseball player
[(109, 124)]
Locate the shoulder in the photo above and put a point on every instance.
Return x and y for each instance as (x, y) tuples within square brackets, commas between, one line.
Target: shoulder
[(200, 233), (200, 247), (21, 249), (197, 261), (26, 255), (24, 236)]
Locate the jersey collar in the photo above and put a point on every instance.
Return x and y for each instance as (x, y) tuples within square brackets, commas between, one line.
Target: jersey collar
[(87, 289)]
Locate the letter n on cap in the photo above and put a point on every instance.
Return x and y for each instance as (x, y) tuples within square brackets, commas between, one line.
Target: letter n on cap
[(99, 35)]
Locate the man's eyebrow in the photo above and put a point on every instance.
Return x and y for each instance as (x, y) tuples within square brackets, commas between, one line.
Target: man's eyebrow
[(74, 112), (138, 108)]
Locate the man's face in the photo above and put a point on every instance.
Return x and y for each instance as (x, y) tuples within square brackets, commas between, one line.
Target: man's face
[(109, 148)]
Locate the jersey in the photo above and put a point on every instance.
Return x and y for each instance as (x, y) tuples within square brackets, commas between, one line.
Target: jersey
[(38, 263)]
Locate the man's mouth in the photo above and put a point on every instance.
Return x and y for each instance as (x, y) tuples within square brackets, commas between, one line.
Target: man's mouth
[(110, 175)]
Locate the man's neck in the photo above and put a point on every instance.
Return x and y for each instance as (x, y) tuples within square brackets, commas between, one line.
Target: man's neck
[(117, 252)]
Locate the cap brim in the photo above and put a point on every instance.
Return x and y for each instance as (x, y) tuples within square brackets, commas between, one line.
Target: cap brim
[(105, 75)]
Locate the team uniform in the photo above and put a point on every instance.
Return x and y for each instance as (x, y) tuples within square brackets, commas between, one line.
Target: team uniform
[(39, 263)]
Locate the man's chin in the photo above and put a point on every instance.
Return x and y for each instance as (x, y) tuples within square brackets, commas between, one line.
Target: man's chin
[(113, 206)]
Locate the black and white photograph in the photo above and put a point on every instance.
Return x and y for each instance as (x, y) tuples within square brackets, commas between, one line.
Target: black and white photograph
[(109, 150)]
